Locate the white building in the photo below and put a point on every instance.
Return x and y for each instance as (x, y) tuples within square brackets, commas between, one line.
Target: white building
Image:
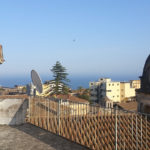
[(47, 89), (115, 91)]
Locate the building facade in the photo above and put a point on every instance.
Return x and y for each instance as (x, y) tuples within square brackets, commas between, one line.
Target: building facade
[(47, 89), (135, 84), (115, 91)]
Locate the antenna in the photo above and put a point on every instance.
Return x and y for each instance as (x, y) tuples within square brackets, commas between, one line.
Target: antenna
[(36, 81)]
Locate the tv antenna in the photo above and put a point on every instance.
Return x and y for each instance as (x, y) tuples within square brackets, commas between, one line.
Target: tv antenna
[(36, 81)]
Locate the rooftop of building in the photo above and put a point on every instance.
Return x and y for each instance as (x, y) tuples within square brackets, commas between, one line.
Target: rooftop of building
[(129, 106), (72, 98), (29, 137)]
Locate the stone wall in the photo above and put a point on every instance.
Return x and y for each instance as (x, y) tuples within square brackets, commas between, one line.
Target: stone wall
[(143, 103), (13, 111)]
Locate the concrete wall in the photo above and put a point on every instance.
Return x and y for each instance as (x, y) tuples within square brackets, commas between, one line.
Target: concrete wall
[(129, 92), (13, 111), (143, 103)]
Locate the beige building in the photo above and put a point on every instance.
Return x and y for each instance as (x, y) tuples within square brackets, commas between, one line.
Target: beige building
[(135, 84), (74, 105), (46, 90), (115, 91)]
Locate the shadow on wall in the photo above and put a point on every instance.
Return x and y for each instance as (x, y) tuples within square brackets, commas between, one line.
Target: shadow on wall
[(13, 111), (20, 115)]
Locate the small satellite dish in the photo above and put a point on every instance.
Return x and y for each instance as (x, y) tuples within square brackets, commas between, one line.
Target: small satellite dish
[(36, 81)]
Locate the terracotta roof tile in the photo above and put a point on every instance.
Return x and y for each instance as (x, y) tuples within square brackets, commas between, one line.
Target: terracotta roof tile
[(130, 106), (72, 98)]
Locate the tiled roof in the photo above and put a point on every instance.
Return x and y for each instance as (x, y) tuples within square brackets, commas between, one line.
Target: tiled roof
[(72, 98), (130, 106)]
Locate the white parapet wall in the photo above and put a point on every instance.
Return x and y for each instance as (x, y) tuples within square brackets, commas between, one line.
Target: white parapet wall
[(13, 111)]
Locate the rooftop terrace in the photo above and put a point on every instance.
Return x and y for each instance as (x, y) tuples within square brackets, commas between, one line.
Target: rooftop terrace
[(29, 137)]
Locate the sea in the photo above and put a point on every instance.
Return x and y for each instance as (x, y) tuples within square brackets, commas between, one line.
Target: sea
[(75, 81)]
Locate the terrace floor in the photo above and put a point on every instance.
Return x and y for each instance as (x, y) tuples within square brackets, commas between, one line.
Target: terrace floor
[(29, 137)]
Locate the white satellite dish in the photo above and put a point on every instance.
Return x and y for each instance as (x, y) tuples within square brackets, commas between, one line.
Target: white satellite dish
[(36, 81)]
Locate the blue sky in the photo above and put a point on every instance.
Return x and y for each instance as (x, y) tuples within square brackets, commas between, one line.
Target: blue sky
[(89, 37)]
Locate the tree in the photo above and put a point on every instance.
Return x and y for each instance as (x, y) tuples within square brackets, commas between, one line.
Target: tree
[(80, 88), (60, 79), (83, 93)]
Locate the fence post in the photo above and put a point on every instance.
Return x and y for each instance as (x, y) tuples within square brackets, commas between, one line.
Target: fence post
[(136, 133), (146, 131), (116, 128), (58, 117), (29, 109), (38, 112), (141, 132), (95, 124), (119, 132), (132, 131), (48, 114)]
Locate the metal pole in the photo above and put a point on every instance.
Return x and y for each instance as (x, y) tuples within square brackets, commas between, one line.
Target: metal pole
[(119, 132), (38, 112), (136, 133), (132, 130), (73, 111), (78, 110), (146, 132), (45, 110), (58, 118), (30, 109), (48, 114), (95, 124), (36, 115), (116, 128), (86, 109), (141, 131)]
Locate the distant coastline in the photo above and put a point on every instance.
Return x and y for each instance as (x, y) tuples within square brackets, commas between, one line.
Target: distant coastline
[(76, 81)]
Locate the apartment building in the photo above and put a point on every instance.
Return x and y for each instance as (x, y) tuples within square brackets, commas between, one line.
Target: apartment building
[(47, 89), (135, 84), (115, 91)]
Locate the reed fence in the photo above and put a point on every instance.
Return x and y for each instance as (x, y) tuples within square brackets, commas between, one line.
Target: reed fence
[(91, 126)]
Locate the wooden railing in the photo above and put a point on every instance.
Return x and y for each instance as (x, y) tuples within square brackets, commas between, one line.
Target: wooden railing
[(91, 126)]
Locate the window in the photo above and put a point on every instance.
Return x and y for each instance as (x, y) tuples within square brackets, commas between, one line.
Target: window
[(122, 95), (108, 91), (112, 84), (117, 95), (109, 84), (118, 84)]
